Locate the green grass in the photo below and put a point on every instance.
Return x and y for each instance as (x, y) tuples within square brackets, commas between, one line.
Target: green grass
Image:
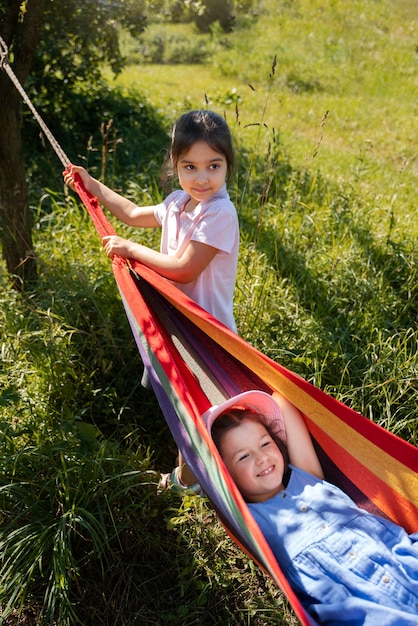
[(327, 286), (357, 61)]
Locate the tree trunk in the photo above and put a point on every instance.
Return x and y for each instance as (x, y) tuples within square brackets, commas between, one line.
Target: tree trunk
[(17, 228), (23, 31)]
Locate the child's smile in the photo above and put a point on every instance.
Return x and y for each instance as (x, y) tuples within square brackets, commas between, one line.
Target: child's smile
[(253, 460)]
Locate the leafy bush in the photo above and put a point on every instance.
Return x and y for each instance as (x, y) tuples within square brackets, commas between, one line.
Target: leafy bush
[(114, 134), (210, 11)]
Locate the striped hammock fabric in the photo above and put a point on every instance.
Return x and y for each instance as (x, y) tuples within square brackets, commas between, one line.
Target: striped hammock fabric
[(195, 362)]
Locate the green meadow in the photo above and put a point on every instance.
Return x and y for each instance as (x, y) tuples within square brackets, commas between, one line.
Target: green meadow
[(322, 101)]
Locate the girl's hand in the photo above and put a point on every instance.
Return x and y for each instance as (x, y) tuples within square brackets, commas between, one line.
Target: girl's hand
[(117, 245), (83, 173)]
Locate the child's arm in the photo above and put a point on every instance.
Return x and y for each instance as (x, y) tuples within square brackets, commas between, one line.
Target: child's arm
[(125, 210), (184, 269), (299, 443)]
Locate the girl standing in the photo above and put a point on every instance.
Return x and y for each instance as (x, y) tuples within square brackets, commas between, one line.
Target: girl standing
[(199, 223)]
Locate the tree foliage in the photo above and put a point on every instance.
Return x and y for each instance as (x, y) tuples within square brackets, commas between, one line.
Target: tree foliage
[(56, 44), (204, 13), (78, 37)]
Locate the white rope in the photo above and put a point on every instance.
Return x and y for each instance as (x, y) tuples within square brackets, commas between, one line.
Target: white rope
[(4, 63)]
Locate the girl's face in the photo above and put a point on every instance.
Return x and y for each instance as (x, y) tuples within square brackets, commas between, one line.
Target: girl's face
[(201, 172), (253, 460)]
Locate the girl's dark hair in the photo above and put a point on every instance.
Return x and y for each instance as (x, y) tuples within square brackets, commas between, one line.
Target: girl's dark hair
[(235, 416), (195, 126)]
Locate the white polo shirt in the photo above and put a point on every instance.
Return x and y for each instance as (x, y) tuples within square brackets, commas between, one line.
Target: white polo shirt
[(214, 223)]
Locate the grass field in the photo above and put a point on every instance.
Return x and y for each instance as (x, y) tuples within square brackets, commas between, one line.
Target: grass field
[(321, 98), (357, 62)]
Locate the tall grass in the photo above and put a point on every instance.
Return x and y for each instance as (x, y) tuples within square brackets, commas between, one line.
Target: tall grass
[(84, 536), (327, 285)]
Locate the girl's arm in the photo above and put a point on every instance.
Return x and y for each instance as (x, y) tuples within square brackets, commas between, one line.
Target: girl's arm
[(125, 210), (299, 443), (195, 258)]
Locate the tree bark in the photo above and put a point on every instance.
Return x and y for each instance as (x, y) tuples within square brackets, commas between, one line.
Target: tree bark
[(22, 32), (17, 231)]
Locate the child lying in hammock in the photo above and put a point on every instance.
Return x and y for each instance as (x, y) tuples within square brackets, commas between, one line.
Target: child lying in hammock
[(346, 565)]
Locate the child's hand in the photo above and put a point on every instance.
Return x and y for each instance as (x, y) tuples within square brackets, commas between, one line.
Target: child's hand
[(117, 245), (76, 169)]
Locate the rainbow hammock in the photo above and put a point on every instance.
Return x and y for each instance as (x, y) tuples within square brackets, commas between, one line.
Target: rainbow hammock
[(195, 362)]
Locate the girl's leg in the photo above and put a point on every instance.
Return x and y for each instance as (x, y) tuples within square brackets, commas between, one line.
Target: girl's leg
[(185, 475)]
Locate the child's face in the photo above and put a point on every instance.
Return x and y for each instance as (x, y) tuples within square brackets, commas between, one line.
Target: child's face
[(201, 172), (253, 460)]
